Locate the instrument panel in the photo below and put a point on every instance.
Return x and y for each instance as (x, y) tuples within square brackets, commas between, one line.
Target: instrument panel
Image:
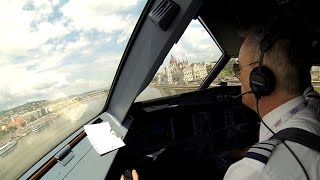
[(188, 131)]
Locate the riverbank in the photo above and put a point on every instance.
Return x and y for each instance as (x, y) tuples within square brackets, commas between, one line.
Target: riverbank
[(167, 86), (192, 87)]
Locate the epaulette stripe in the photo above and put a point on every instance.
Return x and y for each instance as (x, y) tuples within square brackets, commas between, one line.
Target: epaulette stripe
[(266, 146), (270, 150), (260, 151), (274, 142), (259, 157)]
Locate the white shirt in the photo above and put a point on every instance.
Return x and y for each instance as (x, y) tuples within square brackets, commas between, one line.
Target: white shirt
[(282, 165), (312, 102)]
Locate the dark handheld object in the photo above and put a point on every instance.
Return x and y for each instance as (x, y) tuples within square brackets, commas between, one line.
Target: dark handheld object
[(128, 175)]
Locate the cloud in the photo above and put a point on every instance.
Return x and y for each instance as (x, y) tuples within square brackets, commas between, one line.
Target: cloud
[(47, 30), (199, 39), (81, 85), (195, 45), (52, 48), (109, 58), (24, 26), (42, 8), (98, 7), (107, 66), (49, 61), (43, 79), (127, 31), (179, 52), (98, 15), (73, 69), (24, 83), (55, 2), (82, 42), (47, 78), (52, 56)]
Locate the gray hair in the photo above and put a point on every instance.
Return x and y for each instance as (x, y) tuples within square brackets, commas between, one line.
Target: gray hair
[(287, 59)]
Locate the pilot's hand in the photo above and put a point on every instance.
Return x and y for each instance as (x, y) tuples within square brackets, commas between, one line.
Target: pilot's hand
[(134, 175)]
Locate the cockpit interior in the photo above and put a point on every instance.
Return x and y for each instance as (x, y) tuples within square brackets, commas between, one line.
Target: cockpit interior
[(185, 134)]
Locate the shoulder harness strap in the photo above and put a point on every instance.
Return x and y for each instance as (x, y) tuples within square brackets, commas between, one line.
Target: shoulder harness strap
[(313, 96), (299, 136), (263, 150)]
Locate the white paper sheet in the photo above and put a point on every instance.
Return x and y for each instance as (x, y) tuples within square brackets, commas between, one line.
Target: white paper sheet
[(102, 137)]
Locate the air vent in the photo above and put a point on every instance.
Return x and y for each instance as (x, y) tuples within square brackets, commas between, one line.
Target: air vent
[(164, 14)]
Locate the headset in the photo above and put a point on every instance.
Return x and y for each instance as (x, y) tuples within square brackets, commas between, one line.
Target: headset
[(262, 81)]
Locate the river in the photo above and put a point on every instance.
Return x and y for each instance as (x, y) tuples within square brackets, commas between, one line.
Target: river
[(32, 147)]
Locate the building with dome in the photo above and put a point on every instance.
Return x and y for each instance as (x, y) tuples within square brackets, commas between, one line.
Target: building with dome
[(178, 72)]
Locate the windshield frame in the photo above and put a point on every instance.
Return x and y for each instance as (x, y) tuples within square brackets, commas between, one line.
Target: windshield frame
[(128, 49)]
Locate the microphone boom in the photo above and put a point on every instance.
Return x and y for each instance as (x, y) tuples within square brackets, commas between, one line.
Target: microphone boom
[(248, 92)]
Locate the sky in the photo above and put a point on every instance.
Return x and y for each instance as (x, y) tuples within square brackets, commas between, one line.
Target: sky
[(195, 45), (56, 48)]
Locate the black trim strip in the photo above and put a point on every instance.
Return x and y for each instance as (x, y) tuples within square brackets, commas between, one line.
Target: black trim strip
[(258, 157)]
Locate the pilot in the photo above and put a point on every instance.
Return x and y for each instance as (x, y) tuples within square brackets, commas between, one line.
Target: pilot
[(281, 105)]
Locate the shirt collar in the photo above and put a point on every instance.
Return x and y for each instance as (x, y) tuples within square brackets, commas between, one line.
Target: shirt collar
[(273, 116)]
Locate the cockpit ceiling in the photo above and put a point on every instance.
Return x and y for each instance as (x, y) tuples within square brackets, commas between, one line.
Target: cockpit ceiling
[(227, 20)]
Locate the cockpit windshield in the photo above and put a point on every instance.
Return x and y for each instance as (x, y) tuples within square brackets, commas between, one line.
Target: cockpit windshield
[(186, 65), (57, 62)]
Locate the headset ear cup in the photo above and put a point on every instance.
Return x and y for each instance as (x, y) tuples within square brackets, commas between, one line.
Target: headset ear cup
[(263, 82)]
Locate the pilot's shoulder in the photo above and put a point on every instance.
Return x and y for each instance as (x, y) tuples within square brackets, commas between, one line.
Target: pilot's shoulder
[(262, 151), (244, 169), (252, 166)]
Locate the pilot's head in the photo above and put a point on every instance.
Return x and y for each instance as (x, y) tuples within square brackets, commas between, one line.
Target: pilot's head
[(284, 59)]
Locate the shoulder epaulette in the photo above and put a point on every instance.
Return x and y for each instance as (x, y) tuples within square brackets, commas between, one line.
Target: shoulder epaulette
[(262, 151)]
